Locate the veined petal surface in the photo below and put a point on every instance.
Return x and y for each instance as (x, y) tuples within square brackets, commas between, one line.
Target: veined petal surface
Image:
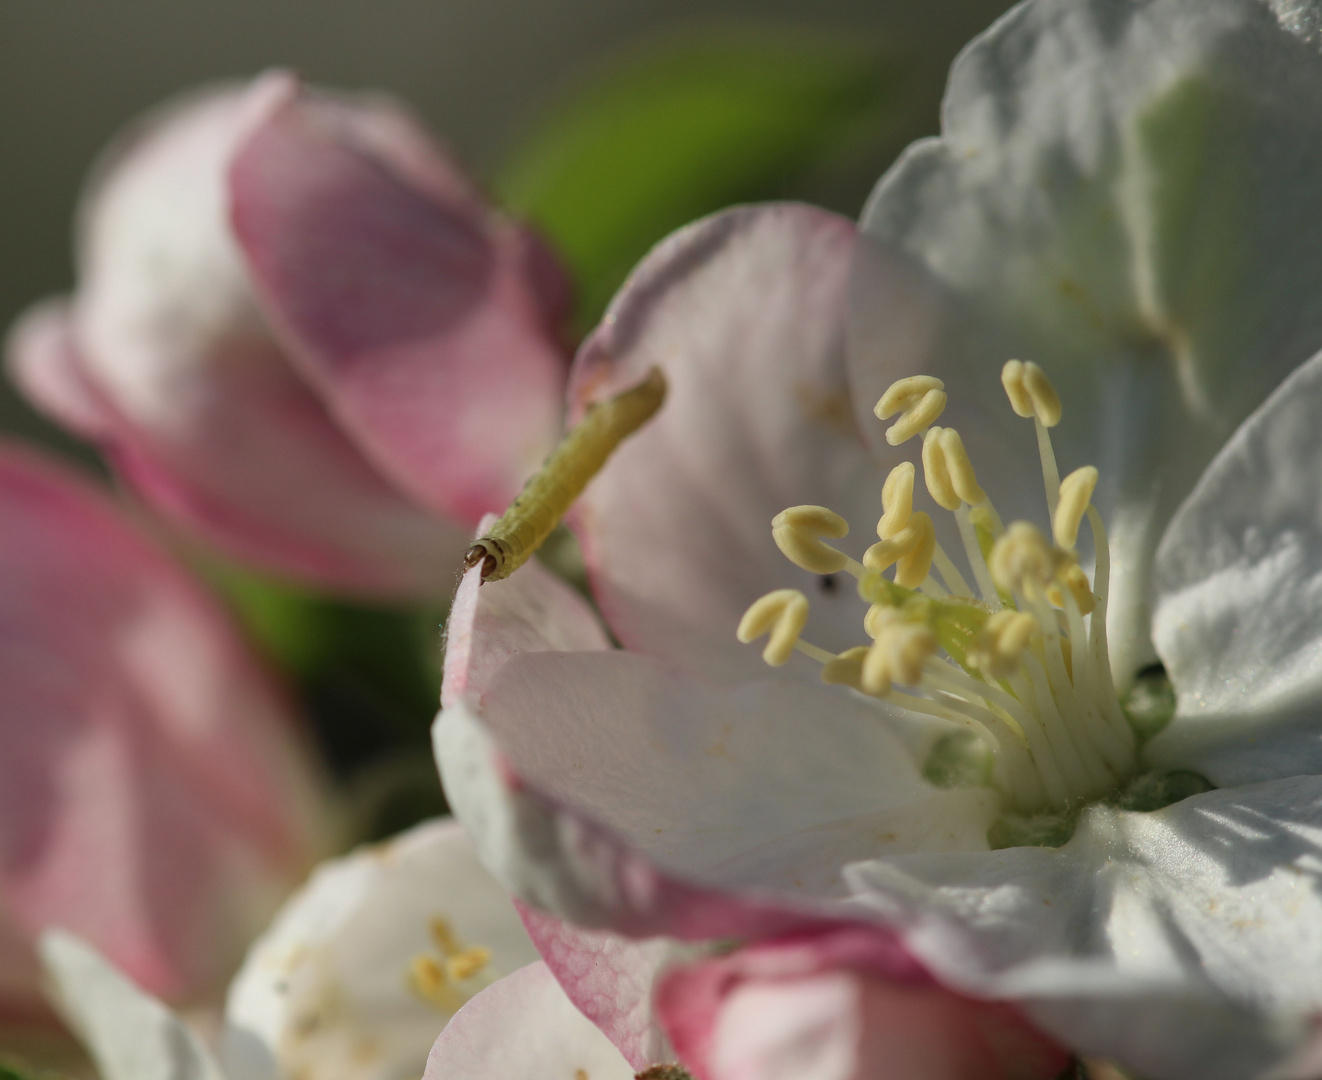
[(1122, 193)]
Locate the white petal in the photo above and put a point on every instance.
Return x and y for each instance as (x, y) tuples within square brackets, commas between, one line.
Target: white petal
[(524, 1027), (1123, 193), (1239, 577), (531, 611), (1184, 943), (327, 987), (130, 1035), (771, 785), (744, 312)]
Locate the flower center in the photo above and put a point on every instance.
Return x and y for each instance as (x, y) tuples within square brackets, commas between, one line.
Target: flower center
[(447, 978), (1019, 659)]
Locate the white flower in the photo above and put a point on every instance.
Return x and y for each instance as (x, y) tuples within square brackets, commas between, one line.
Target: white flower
[(1123, 193), (354, 981)]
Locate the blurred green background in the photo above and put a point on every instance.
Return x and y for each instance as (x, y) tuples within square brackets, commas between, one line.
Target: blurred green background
[(606, 122)]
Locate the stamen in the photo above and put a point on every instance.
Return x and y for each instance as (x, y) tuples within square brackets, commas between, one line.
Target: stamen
[(920, 399), (896, 500), (782, 614), (912, 548), (897, 655), (846, 669), (1023, 561), (997, 647), (1031, 394), (939, 484), (950, 572), (1109, 703), (973, 552), (1012, 378), (1075, 494), (466, 964), (796, 533), (960, 469), (1075, 581), (428, 980)]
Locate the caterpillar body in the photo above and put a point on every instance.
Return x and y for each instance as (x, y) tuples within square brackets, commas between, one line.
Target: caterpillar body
[(551, 490)]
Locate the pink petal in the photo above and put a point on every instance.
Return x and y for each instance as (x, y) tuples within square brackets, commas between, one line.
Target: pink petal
[(420, 317), (745, 313), (166, 361), (841, 1004), (610, 979), (42, 358), (523, 1027), (531, 611), (154, 798)]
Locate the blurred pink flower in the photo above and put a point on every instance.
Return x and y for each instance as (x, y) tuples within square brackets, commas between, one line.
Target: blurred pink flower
[(845, 1003), (155, 797), (301, 333)]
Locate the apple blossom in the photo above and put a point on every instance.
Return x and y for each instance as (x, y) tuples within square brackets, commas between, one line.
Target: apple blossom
[(1126, 855), (300, 333), (155, 795), (353, 981)]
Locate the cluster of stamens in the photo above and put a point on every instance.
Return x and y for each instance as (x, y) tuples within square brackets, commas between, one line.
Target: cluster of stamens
[(447, 978), (1022, 661)]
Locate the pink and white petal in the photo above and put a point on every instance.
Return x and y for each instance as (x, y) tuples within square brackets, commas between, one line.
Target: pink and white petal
[(531, 611), (42, 359), (611, 979), (845, 1002), (744, 312), (715, 786), (155, 798), (1239, 579), (128, 1033), (348, 938), (199, 405), (701, 778), (1122, 195), (555, 859), (264, 476), (524, 1026), (1182, 943), (415, 312)]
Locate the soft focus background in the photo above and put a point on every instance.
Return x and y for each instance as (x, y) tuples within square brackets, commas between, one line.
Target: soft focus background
[(73, 71), (607, 122)]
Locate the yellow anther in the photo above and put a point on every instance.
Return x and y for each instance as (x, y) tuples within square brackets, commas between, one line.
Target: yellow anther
[(896, 500), (1075, 495), (997, 647), (1030, 392), (897, 655), (1046, 402), (796, 533), (910, 550), (1012, 378), (443, 935), (935, 473), (960, 469), (846, 669), (874, 619), (429, 981), (905, 393), (466, 964), (1074, 579), (782, 614), (920, 399), (1024, 559)]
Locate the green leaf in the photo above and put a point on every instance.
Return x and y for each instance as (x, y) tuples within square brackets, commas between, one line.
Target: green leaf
[(679, 130)]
